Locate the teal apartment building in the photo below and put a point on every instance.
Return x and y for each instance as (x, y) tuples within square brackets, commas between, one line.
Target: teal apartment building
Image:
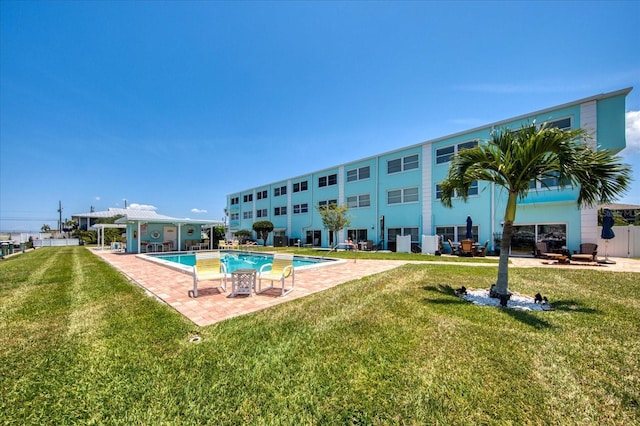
[(397, 193)]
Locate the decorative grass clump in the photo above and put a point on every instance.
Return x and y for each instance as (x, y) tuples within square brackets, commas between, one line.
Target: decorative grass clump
[(81, 344)]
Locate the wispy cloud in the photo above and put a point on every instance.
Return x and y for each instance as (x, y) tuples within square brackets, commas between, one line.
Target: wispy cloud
[(633, 132), (142, 206), (198, 211)]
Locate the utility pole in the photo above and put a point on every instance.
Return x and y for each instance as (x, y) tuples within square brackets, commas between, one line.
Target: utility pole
[(60, 216)]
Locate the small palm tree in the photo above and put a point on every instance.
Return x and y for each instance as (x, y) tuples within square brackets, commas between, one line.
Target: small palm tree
[(513, 159)]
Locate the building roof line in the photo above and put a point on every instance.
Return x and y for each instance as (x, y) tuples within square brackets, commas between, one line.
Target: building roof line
[(499, 123)]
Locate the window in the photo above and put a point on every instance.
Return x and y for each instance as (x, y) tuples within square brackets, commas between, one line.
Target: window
[(410, 195), (280, 211), (455, 233), (394, 166), (327, 203), (261, 213), (562, 124), (410, 162), (402, 164), (447, 233), (262, 194), (234, 216), (394, 233), (282, 190), (443, 155), (300, 208), (327, 180), (399, 196), (358, 235), (549, 181), (473, 190), (248, 198), (300, 186), (526, 236), (247, 215), (358, 201), (313, 238), (358, 174), (235, 200)]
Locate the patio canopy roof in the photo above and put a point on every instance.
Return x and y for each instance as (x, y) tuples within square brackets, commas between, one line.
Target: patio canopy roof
[(146, 216)]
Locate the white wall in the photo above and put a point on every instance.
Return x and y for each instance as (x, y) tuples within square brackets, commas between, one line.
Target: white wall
[(625, 244)]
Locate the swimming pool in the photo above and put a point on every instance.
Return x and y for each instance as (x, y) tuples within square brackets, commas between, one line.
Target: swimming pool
[(234, 260)]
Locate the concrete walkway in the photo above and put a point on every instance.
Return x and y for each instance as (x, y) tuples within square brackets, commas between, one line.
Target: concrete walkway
[(214, 305)]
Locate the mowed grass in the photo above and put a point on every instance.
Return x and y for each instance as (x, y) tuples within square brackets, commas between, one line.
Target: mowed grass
[(79, 344)]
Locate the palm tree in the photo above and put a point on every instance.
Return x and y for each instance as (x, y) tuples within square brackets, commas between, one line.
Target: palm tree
[(513, 159)]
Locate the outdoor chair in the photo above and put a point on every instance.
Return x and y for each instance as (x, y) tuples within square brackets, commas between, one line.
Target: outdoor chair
[(588, 253), (540, 249), (452, 247), (279, 270), (466, 248), (222, 244), (208, 267), (482, 250)]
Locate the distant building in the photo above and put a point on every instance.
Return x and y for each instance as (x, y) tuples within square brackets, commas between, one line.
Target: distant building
[(397, 193), (147, 230), (87, 220)]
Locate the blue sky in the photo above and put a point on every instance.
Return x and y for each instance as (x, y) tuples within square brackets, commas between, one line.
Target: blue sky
[(173, 105)]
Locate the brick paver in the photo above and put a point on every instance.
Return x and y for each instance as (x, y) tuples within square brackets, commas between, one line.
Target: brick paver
[(213, 304)]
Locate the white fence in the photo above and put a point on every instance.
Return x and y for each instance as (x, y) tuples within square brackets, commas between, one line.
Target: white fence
[(625, 244), (56, 242)]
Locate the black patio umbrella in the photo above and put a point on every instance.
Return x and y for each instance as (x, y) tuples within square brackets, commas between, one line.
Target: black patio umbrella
[(607, 232), (469, 233)]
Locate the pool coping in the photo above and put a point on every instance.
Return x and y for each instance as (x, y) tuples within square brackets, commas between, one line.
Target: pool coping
[(151, 257)]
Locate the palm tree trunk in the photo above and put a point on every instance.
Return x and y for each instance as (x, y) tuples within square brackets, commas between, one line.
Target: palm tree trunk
[(502, 285)]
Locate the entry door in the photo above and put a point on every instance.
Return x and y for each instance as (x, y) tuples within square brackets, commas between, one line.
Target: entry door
[(171, 234)]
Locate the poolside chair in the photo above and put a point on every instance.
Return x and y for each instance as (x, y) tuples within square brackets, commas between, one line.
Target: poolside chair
[(208, 267), (279, 270), (588, 253)]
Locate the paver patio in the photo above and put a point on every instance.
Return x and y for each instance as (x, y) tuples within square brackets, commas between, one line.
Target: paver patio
[(213, 304)]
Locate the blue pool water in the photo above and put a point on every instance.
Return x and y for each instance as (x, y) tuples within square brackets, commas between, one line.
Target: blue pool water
[(235, 261)]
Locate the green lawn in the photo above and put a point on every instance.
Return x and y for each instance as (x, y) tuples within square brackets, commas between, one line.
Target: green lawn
[(79, 344)]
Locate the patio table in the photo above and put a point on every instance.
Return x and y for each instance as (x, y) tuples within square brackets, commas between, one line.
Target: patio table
[(243, 281)]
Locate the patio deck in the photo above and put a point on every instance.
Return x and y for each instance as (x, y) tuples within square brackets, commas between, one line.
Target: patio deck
[(213, 305)]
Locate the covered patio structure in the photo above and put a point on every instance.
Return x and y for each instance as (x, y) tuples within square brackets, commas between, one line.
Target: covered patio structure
[(149, 231)]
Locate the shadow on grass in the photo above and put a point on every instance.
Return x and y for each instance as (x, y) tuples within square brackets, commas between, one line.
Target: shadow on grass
[(573, 306), (444, 290), (527, 318)]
